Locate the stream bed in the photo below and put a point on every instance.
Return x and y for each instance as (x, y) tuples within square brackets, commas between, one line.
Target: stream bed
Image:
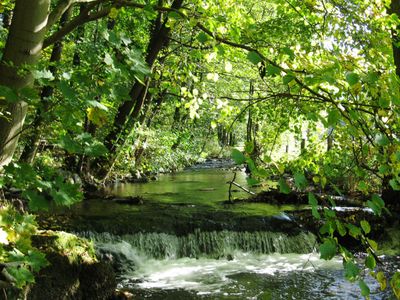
[(183, 242)]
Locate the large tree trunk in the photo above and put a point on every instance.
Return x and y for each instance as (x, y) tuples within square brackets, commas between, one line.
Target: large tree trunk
[(22, 50), (33, 139)]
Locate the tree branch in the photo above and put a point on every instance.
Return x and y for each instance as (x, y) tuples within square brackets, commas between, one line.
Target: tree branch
[(60, 9), (85, 16)]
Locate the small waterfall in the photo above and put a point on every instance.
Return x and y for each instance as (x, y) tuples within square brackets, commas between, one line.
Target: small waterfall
[(214, 244)]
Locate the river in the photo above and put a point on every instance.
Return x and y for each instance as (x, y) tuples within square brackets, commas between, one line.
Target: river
[(183, 242)]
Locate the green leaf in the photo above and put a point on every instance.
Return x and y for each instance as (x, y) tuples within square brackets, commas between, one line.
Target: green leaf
[(174, 15), (36, 260), (238, 157), (328, 249), (329, 213), (36, 202), (252, 166), (312, 200), (8, 94), (373, 244), (354, 231), (352, 78), (365, 226), (254, 57), (351, 270), (29, 94), (252, 181), (362, 186), (288, 79), (315, 213), (378, 201), (395, 284), (333, 117), (272, 70), (328, 228), (314, 205), (364, 288), (249, 147), (384, 169), (283, 186), (376, 209), (202, 37), (70, 145), (341, 228), (21, 275), (382, 140), (381, 278), (372, 77), (394, 184), (370, 262), (300, 180), (289, 52), (95, 149), (66, 90), (384, 102)]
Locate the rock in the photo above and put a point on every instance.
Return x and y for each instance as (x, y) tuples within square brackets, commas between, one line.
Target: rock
[(73, 273), (122, 295)]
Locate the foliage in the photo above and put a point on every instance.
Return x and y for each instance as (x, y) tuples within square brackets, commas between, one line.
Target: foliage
[(41, 187), (21, 259), (306, 88)]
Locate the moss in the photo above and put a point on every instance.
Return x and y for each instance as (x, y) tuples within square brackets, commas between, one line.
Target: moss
[(76, 249), (74, 271)]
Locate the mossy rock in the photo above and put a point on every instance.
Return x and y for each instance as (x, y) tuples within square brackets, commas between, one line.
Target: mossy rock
[(74, 271)]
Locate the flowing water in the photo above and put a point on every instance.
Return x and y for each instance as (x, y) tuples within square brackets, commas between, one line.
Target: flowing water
[(184, 243)]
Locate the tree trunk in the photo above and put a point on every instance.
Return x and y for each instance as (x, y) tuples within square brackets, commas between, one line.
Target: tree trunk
[(130, 109), (33, 140), (22, 50)]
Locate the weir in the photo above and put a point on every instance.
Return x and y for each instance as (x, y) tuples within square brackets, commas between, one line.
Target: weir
[(214, 244)]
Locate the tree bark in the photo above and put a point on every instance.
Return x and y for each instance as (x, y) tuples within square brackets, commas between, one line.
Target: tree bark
[(33, 140), (22, 50)]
